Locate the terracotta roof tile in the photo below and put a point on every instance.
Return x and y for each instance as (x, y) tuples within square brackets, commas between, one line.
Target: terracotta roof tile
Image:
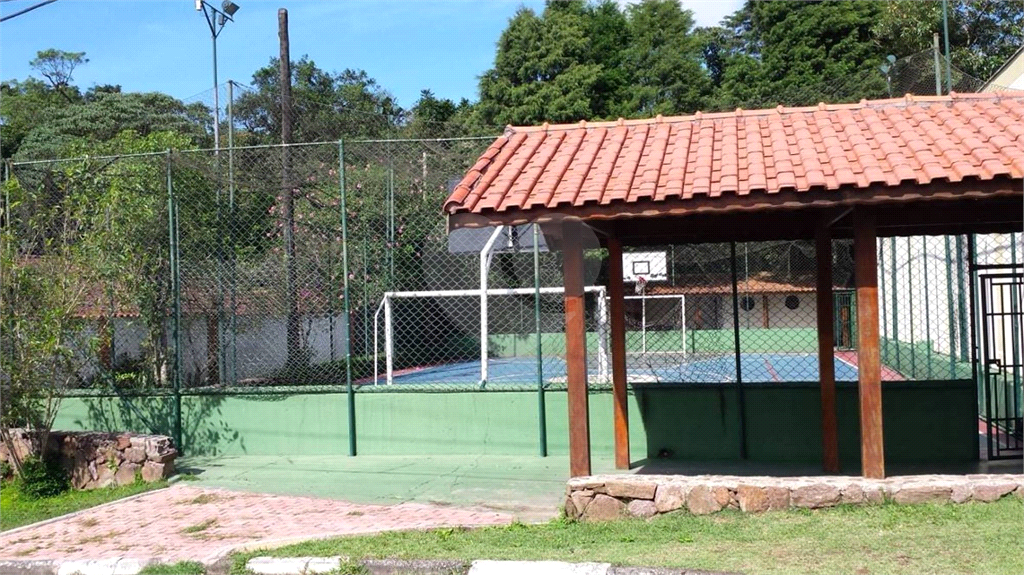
[(902, 141)]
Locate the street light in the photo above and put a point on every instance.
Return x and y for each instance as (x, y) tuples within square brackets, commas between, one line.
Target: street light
[(216, 18)]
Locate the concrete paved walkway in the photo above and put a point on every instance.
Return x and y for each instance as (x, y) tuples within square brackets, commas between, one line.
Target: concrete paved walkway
[(189, 522)]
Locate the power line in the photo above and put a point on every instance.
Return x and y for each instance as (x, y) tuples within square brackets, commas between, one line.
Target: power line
[(27, 10)]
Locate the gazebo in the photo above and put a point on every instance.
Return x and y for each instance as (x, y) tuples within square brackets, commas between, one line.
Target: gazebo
[(900, 167)]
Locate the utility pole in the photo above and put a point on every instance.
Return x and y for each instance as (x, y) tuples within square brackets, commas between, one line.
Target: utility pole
[(288, 200)]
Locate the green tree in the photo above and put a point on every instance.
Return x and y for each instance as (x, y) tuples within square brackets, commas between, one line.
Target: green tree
[(58, 67), (663, 56), (795, 53), (325, 106), (542, 71), (105, 115), (983, 34)]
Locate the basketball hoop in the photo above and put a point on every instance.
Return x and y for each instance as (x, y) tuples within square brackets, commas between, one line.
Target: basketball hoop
[(641, 283)]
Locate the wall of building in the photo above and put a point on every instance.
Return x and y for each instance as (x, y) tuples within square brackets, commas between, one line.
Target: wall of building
[(924, 422)]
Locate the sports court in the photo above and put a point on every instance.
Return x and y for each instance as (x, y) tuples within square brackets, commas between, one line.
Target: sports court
[(670, 367)]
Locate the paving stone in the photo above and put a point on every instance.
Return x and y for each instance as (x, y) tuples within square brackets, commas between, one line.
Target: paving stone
[(960, 492), (135, 454), (631, 489), (701, 500), (125, 474), (911, 493), (152, 471), (581, 499), (157, 518), (991, 491), (778, 497), (752, 498), (852, 494), (604, 508), (642, 508), (814, 496), (670, 496), (571, 511)]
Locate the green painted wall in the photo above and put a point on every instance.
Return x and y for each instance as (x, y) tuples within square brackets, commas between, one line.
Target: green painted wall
[(924, 422), (494, 423)]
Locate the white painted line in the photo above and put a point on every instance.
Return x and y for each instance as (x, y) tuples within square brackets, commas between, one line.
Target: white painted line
[(482, 567)]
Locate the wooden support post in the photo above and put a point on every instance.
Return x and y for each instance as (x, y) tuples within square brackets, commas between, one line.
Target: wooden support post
[(826, 345), (576, 348), (618, 336), (869, 367)]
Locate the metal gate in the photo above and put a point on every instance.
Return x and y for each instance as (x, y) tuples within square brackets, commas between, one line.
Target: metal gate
[(1002, 323)]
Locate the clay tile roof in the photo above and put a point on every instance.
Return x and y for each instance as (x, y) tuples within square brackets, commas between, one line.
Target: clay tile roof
[(722, 156)]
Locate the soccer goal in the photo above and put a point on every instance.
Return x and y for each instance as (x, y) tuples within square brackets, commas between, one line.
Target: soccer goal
[(428, 336)]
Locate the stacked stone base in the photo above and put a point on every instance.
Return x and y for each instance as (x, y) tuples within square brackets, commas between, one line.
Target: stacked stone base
[(608, 497), (95, 459)]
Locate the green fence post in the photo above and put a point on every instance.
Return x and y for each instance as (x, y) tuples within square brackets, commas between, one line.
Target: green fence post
[(736, 344), (172, 233), (952, 310), (542, 416), (927, 313), (961, 297), (910, 309), (884, 318), (895, 305), (1015, 324), (350, 392)]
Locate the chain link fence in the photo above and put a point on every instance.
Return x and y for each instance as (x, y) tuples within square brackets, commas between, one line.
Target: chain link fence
[(329, 267)]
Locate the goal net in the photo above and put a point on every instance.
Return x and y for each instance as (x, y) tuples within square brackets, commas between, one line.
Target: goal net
[(495, 337)]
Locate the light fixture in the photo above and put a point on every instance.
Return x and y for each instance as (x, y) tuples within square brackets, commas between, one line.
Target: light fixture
[(229, 7)]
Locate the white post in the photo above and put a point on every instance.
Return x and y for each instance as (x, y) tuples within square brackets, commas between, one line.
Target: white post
[(643, 319), (389, 343), (682, 304), (602, 337), (485, 265)]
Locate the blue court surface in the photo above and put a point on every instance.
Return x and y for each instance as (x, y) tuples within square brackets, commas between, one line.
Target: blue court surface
[(641, 368)]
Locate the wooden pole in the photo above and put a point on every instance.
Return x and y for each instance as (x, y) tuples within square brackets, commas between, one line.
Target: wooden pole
[(826, 345), (618, 336), (576, 348), (293, 329), (869, 367)]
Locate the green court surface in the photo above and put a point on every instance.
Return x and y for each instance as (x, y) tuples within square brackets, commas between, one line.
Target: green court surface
[(531, 487)]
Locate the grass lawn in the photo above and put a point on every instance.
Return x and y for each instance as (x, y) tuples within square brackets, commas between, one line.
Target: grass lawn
[(890, 538), (17, 510)]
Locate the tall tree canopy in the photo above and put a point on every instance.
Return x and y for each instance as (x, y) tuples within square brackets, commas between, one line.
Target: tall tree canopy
[(325, 105)]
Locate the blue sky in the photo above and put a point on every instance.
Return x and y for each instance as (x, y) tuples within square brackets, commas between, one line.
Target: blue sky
[(164, 45)]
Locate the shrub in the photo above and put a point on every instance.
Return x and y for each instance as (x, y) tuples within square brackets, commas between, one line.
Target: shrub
[(41, 479), (6, 470)]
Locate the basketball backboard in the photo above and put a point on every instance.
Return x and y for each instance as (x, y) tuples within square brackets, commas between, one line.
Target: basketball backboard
[(651, 266)]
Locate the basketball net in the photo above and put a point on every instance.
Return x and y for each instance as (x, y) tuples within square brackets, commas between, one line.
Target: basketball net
[(641, 284)]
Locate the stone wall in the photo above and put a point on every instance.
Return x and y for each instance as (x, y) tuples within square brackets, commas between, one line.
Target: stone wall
[(95, 459), (607, 497)]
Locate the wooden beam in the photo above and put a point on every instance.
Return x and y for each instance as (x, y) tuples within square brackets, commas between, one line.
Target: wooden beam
[(826, 346), (869, 367), (617, 310), (576, 348)]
